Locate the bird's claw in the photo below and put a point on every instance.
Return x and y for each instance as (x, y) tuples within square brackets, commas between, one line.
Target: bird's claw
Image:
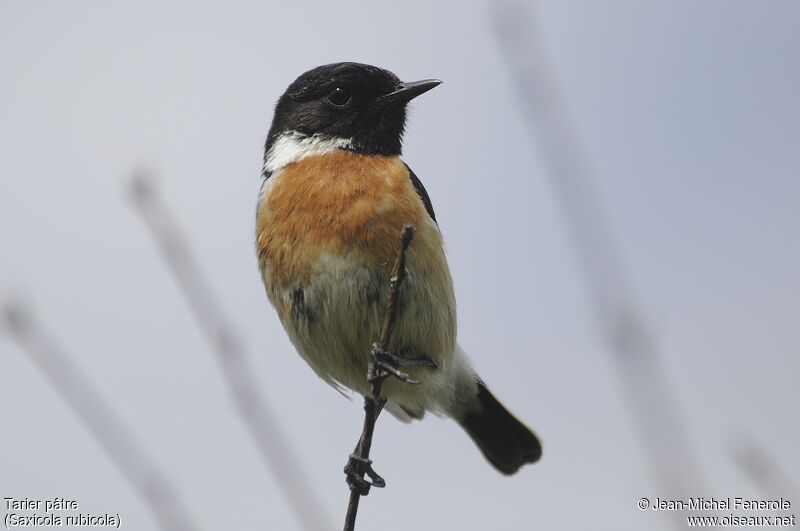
[(386, 364), (357, 467)]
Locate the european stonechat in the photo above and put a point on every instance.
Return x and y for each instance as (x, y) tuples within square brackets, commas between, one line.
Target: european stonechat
[(334, 197)]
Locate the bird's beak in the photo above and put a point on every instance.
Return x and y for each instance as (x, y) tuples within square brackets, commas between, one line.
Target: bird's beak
[(407, 91)]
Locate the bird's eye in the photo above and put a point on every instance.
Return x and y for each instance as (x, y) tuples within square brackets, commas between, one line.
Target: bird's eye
[(339, 97)]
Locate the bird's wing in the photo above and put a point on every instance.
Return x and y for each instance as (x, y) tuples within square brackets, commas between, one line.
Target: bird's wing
[(423, 194)]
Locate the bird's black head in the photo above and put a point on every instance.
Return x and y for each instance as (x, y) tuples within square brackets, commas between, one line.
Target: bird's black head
[(361, 107)]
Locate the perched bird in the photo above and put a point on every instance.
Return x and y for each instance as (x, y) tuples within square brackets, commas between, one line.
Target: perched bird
[(333, 201)]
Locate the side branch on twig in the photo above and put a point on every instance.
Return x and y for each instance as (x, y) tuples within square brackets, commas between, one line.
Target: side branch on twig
[(383, 365)]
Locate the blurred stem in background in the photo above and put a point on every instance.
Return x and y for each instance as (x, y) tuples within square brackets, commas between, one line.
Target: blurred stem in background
[(264, 426), (114, 437), (611, 294), (762, 469)]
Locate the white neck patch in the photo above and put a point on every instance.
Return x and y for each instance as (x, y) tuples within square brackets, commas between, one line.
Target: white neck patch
[(293, 146)]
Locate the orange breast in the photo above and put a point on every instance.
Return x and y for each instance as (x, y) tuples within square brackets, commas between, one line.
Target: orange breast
[(341, 203)]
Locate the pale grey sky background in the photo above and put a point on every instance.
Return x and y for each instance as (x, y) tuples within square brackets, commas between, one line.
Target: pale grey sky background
[(688, 111)]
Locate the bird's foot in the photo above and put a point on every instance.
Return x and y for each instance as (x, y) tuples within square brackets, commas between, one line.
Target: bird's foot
[(387, 364), (356, 469)]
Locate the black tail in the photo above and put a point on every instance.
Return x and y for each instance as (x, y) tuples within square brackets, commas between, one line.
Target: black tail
[(506, 442)]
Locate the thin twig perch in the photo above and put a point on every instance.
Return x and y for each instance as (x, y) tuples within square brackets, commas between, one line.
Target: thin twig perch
[(384, 365)]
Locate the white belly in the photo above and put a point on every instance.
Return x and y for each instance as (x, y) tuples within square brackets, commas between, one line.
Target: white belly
[(338, 313)]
